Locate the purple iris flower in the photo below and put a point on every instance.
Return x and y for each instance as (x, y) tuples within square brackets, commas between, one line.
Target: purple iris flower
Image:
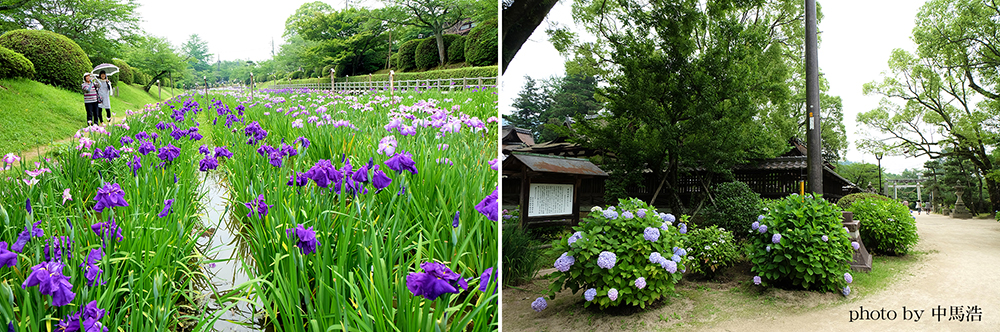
[(306, 238), (402, 161), (258, 205), (88, 316), (254, 133), (142, 135), (436, 280), (208, 163), (135, 164), (222, 151), (321, 173), (489, 206), (167, 208), (50, 280), (275, 158), (169, 152), (203, 149), (26, 235), (57, 247), (454, 224), (195, 136), (109, 196), (108, 228), (484, 280), (125, 140), (146, 147), (303, 140), (379, 179), (265, 150), (298, 179), (288, 150), (111, 153), (7, 258), (178, 133), (27, 205)]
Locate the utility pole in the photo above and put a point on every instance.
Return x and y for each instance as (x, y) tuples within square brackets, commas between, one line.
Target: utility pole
[(814, 145)]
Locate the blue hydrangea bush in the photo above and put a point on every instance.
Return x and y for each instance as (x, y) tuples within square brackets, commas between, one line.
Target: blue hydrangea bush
[(801, 243), (627, 254)]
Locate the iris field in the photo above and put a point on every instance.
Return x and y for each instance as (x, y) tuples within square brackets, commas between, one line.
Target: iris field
[(357, 212)]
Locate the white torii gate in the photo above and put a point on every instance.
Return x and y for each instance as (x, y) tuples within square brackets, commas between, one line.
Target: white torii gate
[(896, 186)]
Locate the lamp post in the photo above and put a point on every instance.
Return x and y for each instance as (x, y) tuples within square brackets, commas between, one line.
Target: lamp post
[(878, 156)]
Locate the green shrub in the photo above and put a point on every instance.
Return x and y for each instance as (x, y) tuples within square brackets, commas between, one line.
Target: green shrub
[(407, 54), (997, 217), (887, 227), (481, 44), (124, 71), (787, 247), (845, 202), (427, 56), (456, 51), (58, 60), (520, 259), (614, 248), (735, 203), (710, 250), (13, 64), (394, 60)]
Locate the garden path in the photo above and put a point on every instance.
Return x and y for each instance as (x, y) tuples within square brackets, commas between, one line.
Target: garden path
[(959, 269)]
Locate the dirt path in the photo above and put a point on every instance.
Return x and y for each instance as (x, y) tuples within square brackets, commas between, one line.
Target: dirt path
[(960, 269)]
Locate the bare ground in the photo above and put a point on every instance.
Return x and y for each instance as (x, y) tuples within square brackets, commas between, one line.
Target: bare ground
[(959, 269)]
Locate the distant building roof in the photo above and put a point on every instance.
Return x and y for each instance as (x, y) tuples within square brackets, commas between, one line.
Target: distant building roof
[(551, 164), (515, 138)]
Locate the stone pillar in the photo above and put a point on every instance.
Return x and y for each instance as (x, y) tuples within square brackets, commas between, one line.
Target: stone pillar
[(960, 211), (862, 259)]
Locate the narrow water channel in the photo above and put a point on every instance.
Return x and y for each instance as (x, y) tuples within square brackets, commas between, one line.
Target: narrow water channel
[(218, 241)]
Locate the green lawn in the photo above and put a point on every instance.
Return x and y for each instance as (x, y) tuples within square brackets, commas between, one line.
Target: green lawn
[(37, 114)]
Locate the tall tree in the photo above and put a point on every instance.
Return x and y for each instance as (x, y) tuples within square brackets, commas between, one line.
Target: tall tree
[(196, 51), (529, 105), (571, 96), (436, 15), (156, 57), (864, 175), (937, 114), (352, 39), (686, 84), (100, 27)]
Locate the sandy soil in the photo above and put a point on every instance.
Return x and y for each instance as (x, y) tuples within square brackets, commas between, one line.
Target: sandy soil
[(959, 270)]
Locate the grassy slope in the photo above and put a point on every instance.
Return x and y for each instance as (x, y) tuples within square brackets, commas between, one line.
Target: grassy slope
[(36, 114)]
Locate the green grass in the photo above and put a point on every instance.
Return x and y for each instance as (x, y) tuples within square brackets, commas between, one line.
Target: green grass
[(37, 114)]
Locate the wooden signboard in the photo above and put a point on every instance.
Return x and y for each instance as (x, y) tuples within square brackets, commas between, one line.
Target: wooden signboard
[(549, 199)]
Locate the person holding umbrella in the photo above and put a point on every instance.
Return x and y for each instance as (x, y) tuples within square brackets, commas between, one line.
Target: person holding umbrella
[(90, 99), (104, 94)]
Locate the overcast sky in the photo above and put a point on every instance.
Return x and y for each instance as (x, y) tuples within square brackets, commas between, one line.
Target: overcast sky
[(234, 30), (857, 39)]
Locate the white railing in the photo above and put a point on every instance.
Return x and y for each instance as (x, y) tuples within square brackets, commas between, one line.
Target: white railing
[(399, 85)]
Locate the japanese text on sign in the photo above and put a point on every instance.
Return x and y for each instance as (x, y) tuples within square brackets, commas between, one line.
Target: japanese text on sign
[(545, 199)]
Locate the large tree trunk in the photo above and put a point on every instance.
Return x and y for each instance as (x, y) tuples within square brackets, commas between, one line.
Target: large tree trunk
[(439, 36), (153, 80), (994, 191)]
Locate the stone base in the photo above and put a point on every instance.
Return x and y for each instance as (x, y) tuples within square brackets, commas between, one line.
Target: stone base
[(862, 259), (961, 212)]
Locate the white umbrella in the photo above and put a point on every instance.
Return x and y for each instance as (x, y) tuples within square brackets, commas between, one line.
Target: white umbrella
[(108, 69)]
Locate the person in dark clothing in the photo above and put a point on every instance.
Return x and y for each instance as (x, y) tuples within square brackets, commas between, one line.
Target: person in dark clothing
[(90, 99)]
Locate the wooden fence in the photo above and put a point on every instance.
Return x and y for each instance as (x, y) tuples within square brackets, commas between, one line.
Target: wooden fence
[(440, 83)]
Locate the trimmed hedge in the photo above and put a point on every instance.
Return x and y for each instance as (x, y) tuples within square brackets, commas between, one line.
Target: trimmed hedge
[(846, 201), (58, 61), (456, 51), (470, 72), (481, 44), (427, 52), (13, 64), (125, 72), (407, 54), (887, 227)]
